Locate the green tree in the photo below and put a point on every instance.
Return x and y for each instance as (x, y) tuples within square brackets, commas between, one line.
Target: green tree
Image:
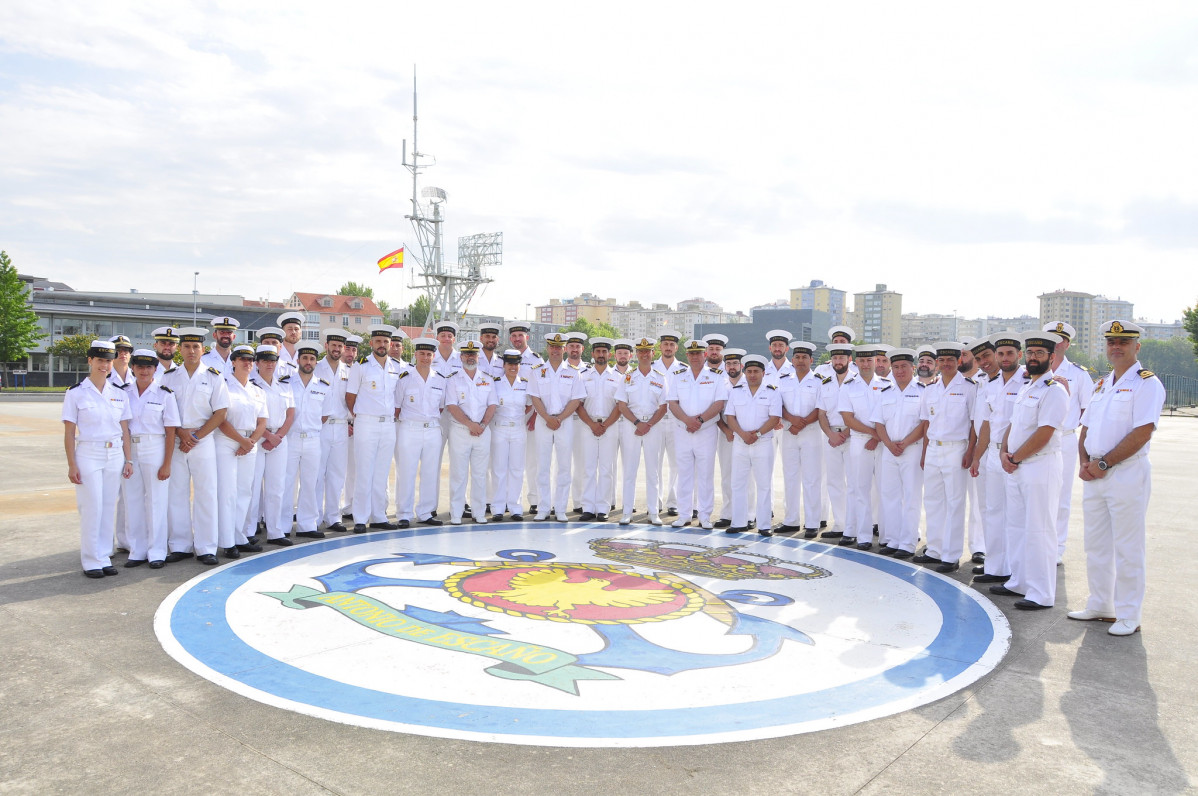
[(19, 329), (1175, 357), (418, 311), (592, 329), (1190, 323), (73, 348), (355, 289)]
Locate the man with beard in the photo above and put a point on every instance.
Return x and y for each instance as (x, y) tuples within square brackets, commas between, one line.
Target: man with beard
[(715, 350), (882, 360), (925, 369), (334, 433), (349, 358), (490, 361), (556, 391), (598, 439), (166, 343), (529, 359), (292, 324), (802, 442), (395, 349), (752, 412), (897, 423), (370, 396), (837, 334), (1080, 387), (696, 397), (1031, 457), (837, 436), (314, 397), (778, 363), (640, 399), (666, 365), (224, 329), (977, 352), (733, 375), (946, 411), (420, 400), (623, 356), (575, 344), (996, 400)]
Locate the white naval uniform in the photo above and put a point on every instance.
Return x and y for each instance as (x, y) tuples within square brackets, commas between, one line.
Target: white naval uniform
[(192, 516), (695, 452), (334, 443), (373, 384), (643, 394), (269, 498), (1081, 387), (418, 443), (753, 462), (1115, 506), (900, 478), (577, 470), (235, 474), (1034, 489), (975, 488), (469, 456), (723, 455), (996, 400), (122, 520), (667, 494), (153, 412), (836, 459), (555, 389), (861, 399), (509, 436), (802, 451), (529, 362), (100, 457), (214, 360), (948, 409), (597, 455), (303, 449)]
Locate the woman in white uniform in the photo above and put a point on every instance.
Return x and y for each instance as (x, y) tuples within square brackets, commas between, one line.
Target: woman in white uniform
[(155, 419), (237, 453), (96, 415)]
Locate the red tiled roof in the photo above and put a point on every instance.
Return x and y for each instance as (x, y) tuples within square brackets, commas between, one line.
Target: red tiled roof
[(269, 305), (341, 304)]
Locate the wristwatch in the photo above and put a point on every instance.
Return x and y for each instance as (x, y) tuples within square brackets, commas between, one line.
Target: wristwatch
[(1102, 463), (758, 433)]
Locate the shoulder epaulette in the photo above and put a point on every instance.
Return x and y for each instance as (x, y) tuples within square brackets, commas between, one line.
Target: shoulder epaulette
[(396, 360), (738, 386), (716, 371), (73, 386), (171, 370), (971, 381), (124, 385), (772, 386), (403, 374), (680, 370), (887, 387), (784, 375), (848, 381), (497, 378), (921, 384), (213, 371), (1049, 382), (325, 383), (164, 388), (285, 379), (1145, 373), (825, 379)]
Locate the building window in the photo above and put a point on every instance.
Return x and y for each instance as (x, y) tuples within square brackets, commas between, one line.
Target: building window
[(357, 320), (311, 334), (345, 320), (332, 319)]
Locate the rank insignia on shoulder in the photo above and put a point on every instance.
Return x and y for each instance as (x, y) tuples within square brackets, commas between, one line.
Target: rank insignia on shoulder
[(214, 371), (971, 381), (404, 374), (887, 387), (121, 386), (783, 375), (1049, 382), (825, 379), (171, 370), (396, 361), (772, 386), (73, 386), (681, 370), (325, 383), (717, 371), (921, 384), (497, 378), (738, 386), (285, 379), (1145, 373), (164, 388)]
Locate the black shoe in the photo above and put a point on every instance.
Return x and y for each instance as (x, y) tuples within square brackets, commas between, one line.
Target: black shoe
[(1004, 591), (384, 526), (810, 533), (432, 520), (497, 516), (847, 541), (488, 509), (865, 545), (752, 523), (737, 529), (533, 508), (991, 578), (250, 547), (347, 517), (359, 528), (924, 558), (578, 509), (886, 550), (672, 512), (903, 554), (765, 532), (157, 564), (723, 523), (403, 524), (173, 557), (979, 570), (94, 574), (830, 534), (261, 527), (310, 534), (517, 518), (586, 516), (134, 562), (979, 558), (109, 570), (231, 552), (947, 567), (823, 524), (282, 541), (208, 560), (1028, 605), (600, 517), (336, 528), (875, 529), (788, 529), (694, 514)]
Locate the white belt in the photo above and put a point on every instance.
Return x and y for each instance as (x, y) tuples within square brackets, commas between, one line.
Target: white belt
[(421, 423), (997, 445), (506, 423), (948, 443), (1137, 455), (334, 420), (146, 437), (244, 432), (1069, 431), (95, 443), (837, 428), (306, 434), (375, 418)]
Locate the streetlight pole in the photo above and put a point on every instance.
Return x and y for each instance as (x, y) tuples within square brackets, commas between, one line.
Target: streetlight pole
[(195, 297)]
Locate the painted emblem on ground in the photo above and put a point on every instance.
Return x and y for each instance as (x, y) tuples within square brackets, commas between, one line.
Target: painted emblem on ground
[(553, 635)]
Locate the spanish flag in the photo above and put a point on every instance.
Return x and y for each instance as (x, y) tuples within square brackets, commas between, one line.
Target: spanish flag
[(392, 260)]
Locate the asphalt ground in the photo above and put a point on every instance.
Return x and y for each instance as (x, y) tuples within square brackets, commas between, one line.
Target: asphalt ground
[(90, 702)]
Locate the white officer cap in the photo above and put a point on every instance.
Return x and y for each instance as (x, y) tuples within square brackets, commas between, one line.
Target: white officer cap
[(224, 322), (902, 355), (695, 346), (623, 342), (102, 349), (425, 344), (445, 326), (556, 339), (470, 347), (144, 356), (801, 345), (754, 359), (847, 331), (290, 317), (778, 335), (644, 344), (575, 337), (270, 331), (1061, 328), (168, 333), (1121, 329), (715, 339), (121, 341), (268, 352), (672, 335), (334, 333), (192, 334), (382, 330), (602, 342)]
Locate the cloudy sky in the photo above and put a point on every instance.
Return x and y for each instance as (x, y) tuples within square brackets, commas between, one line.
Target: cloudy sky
[(969, 159)]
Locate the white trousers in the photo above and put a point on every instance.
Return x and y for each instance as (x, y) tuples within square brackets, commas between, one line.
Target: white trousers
[(555, 458), (303, 471), (532, 466), (802, 467), (469, 461), (1114, 508), (578, 467), (351, 472), (334, 459), (192, 512), (901, 483), (695, 458), (234, 485), (862, 467), (994, 521), (267, 493), (668, 484), (723, 455), (944, 484), (836, 464), (1068, 477), (752, 464), (373, 447), (100, 471), (1035, 499), (146, 500), (417, 453), (598, 457), (637, 451), (508, 441), (975, 512)]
